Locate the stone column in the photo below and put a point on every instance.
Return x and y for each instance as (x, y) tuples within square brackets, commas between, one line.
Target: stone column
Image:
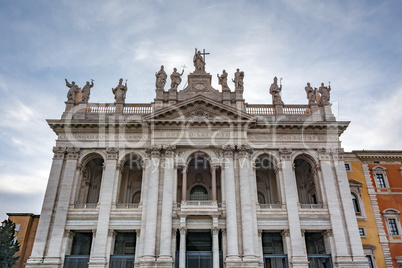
[(213, 175), (184, 185), (167, 206), (297, 256), (182, 255), (137, 248), (99, 258), (248, 228), (215, 247), (152, 206), (231, 212), (39, 247), (62, 204)]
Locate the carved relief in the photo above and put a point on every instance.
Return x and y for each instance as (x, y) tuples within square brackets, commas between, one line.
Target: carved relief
[(153, 151), (170, 150), (285, 153), (245, 150), (59, 152), (112, 153), (228, 151), (324, 154), (73, 152)]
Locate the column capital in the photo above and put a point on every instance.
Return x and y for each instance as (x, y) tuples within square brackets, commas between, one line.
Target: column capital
[(228, 151), (183, 231), (337, 154), (59, 152), (328, 233), (111, 233), (286, 233), (68, 233), (215, 231), (73, 153), (153, 151), (170, 150), (245, 151), (112, 153), (285, 153), (324, 154)]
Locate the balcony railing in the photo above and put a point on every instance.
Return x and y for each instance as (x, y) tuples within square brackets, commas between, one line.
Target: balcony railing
[(199, 203), (296, 109), (79, 205), (261, 109), (76, 261), (276, 260), (319, 260), (312, 206), (122, 261), (127, 205)]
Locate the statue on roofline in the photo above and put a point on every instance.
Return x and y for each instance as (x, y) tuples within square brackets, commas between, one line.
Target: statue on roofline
[(199, 62), (275, 91), (176, 78), (311, 94), (238, 80), (86, 91), (223, 80), (120, 91), (73, 92), (325, 95), (161, 77)]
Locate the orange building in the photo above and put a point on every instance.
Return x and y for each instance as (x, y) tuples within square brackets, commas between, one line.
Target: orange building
[(25, 230), (383, 170), (364, 211)]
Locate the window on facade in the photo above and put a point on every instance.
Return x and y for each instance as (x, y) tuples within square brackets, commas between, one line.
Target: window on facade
[(91, 177), (125, 243), (370, 261), (198, 193), (355, 202), (82, 242), (272, 243), (393, 228), (131, 181), (267, 186), (306, 182), (347, 167), (380, 180), (361, 232)]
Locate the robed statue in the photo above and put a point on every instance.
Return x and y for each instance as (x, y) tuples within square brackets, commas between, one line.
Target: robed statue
[(73, 92), (238, 80), (120, 91), (198, 61), (223, 80), (176, 78), (325, 95), (86, 91), (311, 94), (161, 77), (275, 91)]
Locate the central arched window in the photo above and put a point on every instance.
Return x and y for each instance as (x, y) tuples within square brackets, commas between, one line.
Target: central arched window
[(91, 178), (130, 181), (267, 185), (306, 179), (198, 192)]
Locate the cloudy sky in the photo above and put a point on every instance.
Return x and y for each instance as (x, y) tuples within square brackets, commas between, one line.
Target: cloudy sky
[(356, 45)]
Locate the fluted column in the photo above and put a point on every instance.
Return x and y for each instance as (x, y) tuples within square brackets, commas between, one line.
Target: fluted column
[(182, 253), (167, 203), (62, 203), (213, 178), (184, 184), (231, 213), (215, 247), (39, 247), (248, 226), (99, 258), (298, 256), (152, 205)]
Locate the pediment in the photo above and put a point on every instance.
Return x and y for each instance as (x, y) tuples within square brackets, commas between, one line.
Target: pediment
[(355, 183), (198, 109)]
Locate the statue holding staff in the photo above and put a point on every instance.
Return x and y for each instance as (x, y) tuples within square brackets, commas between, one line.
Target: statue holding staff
[(161, 77), (86, 91), (275, 91), (120, 91), (176, 78)]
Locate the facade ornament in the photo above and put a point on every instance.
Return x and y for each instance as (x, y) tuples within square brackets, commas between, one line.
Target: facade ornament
[(111, 233), (238, 81), (275, 91), (112, 153), (176, 78), (199, 62), (183, 231), (215, 231), (338, 153), (228, 151), (223, 80), (284, 153), (286, 233), (59, 152), (161, 78), (278, 167), (73, 152), (328, 233), (153, 151), (170, 150), (311, 94), (120, 91), (323, 154), (218, 154), (324, 94), (74, 93), (68, 233), (94, 233), (86, 91), (245, 150)]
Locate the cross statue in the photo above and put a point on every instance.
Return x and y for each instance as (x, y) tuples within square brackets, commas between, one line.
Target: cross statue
[(203, 53)]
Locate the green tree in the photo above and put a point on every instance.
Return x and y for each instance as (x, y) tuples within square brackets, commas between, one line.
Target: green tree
[(8, 245)]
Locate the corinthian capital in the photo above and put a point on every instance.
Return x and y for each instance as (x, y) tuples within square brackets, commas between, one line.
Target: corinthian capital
[(170, 150), (228, 151), (73, 152), (324, 154), (59, 152), (153, 151), (284, 153), (245, 150), (112, 153)]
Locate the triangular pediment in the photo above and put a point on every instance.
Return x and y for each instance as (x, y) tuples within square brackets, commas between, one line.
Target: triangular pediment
[(355, 183), (199, 108)]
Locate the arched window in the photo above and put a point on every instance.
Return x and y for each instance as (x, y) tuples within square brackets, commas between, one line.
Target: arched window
[(198, 192), (307, 188), (355, 202), (130, 181), (91, 178), (267, 185)]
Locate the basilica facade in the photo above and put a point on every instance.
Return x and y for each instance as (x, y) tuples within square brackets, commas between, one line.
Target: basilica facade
[(197, 178)]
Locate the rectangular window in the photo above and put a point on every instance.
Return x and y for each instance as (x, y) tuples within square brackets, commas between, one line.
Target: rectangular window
[(81, 244), (125, 243), (393, 229), (361, 232), (370, 261), (380, 180), (347, 167)]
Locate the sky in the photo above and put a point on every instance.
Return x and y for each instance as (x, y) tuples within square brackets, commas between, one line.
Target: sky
[(354, 45)]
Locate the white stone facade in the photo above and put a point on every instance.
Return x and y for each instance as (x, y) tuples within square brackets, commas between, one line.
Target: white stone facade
[(167, 200)]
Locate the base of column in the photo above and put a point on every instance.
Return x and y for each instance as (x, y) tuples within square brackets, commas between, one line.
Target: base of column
[(348, 262), (299, 262), (233, 261), (148, 261), (49, 262), (165, 261)]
